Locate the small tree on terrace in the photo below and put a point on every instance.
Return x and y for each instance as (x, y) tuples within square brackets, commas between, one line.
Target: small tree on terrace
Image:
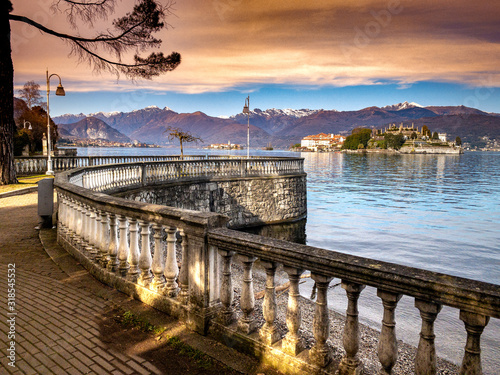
[(182, 136), (425, 131)]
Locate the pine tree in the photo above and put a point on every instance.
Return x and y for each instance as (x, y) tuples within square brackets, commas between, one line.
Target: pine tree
[(103, 52)]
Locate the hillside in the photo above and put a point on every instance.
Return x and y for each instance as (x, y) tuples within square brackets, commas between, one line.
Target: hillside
[(283, 127), (92, 128), (210, 129)]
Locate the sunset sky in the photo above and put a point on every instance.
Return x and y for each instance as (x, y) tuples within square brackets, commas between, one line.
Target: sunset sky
[(330, 54)]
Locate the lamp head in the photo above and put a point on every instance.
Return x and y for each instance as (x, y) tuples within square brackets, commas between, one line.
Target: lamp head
[(246, 109), (60, 91)]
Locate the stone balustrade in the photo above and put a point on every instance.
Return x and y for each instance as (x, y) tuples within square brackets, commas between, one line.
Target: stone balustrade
[(29, 165), (112, 178), (180, 262)]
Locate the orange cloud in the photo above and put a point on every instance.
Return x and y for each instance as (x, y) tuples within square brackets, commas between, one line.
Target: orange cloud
[(234, 43)]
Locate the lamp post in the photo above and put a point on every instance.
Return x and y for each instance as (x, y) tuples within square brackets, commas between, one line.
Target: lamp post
[(59, 92), (246, 109)]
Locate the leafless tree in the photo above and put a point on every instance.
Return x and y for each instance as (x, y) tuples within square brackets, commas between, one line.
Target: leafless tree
[(182, 136), (31, 94)]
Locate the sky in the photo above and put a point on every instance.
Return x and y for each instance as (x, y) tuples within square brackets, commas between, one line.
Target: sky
[(322, 54)]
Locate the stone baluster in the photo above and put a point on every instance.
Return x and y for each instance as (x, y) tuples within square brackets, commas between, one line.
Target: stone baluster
[(83, 241), (292, 343), (184, 271), (88, 227), (350, 364), (66, 214), (319, 353), (104, 244), (80, 224), (247, 323), (133, 257), (75, 221), (63, 225), (474, 325), (71, 219), (171, 267), (387, 345), (123, 249), (92, 248), (227, 315), (425, 361), (269, 333), (113, 244), (158, 264), (98, 236), (145, 259)]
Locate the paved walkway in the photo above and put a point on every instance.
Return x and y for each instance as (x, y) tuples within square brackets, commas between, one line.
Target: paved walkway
[(65, 321), (58, 323)]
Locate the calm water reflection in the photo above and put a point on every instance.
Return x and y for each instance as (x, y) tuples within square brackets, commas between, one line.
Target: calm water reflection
[(438, 212)]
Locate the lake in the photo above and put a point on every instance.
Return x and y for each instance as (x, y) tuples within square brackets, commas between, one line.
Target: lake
[(437, 212)]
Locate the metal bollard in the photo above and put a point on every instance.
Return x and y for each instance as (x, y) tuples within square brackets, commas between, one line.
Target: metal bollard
[(46, 202)]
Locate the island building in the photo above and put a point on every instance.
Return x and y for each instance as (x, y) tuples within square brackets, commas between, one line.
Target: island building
[(225, 146), (407, 131), (322, 141)]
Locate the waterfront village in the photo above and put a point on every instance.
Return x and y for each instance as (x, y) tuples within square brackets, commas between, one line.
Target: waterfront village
[(99, 142), (401, 139)]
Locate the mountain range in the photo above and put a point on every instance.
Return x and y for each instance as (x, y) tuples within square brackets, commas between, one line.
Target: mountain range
[(91, 128), (283, 127)]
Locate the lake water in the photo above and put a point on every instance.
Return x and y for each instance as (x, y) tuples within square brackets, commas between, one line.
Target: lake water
[(437, 212)]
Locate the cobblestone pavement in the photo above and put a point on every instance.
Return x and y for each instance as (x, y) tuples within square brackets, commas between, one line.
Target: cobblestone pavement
[(57, 322), (65, 321)]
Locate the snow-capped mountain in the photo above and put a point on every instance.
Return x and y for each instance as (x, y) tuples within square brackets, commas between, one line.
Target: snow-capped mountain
[(401, 106), (274, 120), (283, 127), (69, 118), (297, 113)]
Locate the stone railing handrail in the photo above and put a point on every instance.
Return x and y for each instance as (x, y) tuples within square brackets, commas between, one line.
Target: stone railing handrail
[(111, 177), (122, 243), (37, 164), (465, 294)]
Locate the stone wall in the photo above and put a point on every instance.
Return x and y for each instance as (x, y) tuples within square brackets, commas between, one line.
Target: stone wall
[(431, 150), (246, 201)]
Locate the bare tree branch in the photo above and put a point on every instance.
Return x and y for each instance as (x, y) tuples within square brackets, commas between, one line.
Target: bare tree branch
[(182, 136), (86, 11), (133, 31)]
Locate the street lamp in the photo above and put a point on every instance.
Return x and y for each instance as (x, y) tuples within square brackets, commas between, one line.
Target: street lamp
[(246, 109), (59, 92)]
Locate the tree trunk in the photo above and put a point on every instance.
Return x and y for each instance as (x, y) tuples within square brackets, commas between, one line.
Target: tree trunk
[(7, 125), (182, 150)]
